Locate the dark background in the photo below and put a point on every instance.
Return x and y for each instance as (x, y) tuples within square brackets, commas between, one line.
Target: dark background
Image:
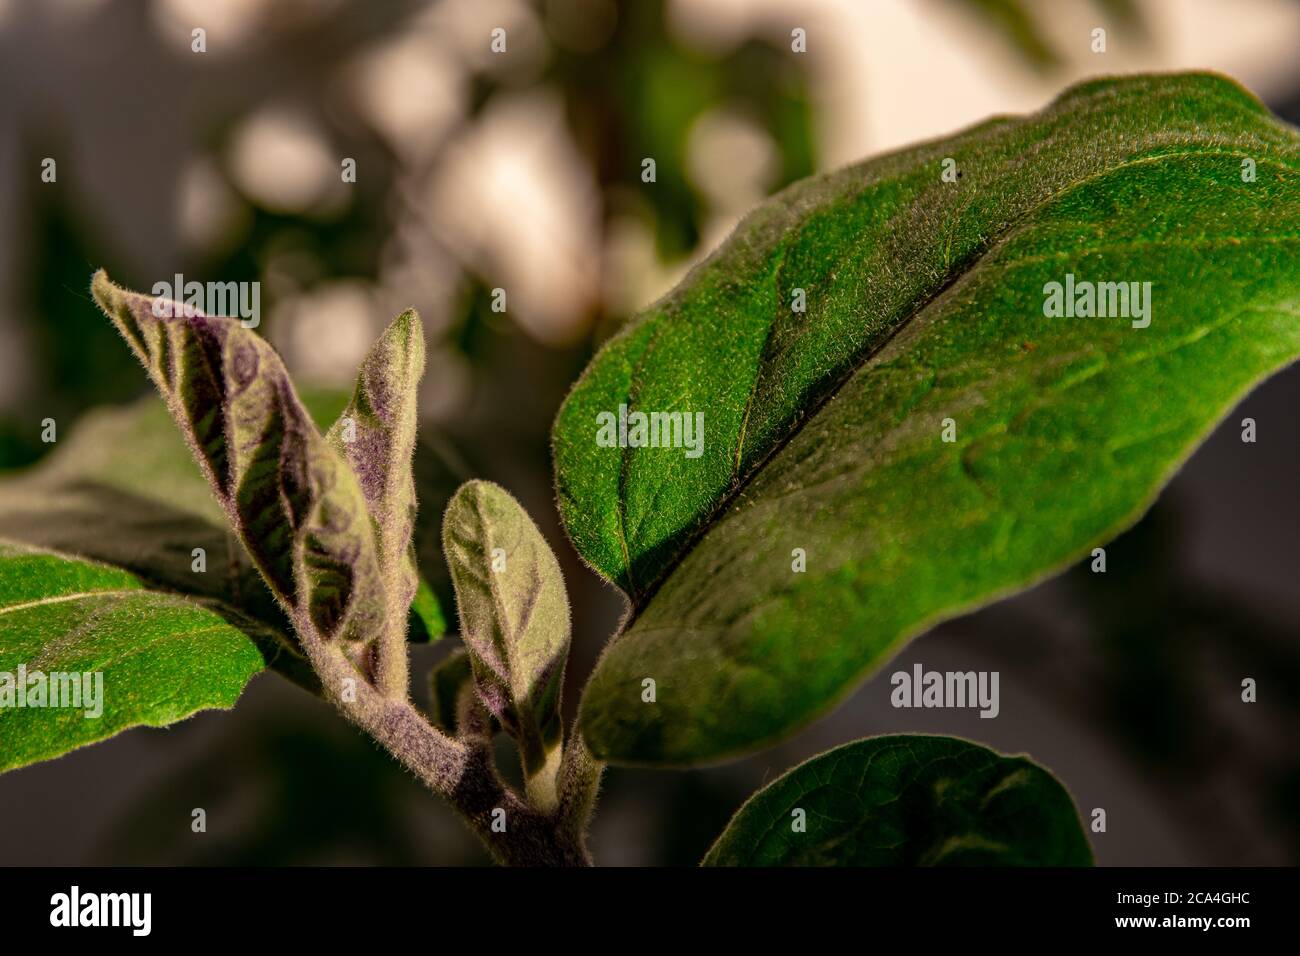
[(525, 174)]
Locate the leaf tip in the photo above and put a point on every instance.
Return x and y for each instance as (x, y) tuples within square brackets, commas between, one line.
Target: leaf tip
[(407, 324), (105, 292), (405, 337), (116, 304)]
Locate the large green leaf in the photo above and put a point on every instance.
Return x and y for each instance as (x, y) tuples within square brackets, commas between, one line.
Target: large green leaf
[(925, 302), (907, 800), (159, 657)]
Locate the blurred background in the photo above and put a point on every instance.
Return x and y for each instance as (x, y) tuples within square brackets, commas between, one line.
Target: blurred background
[(522, 171)]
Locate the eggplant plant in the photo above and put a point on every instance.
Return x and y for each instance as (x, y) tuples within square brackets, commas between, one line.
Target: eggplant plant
[(896, 393)]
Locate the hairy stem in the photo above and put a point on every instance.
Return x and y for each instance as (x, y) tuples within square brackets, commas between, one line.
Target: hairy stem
[(462, 771), (578, 785)]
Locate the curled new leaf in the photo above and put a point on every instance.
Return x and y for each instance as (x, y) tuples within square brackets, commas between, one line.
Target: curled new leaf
[(376, 435), (514, 616), (295, 502)]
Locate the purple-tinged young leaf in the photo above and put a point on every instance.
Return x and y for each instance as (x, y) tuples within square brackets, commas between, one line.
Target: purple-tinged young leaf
[(294, 501), (376, 435)]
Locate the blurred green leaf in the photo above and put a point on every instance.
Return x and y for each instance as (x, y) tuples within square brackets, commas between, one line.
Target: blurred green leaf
[(1020, 26), (907, 800), (1017, 26)]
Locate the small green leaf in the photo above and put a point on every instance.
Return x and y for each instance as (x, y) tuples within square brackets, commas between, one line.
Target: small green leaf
[(907, 800), (159, 657), (923, 437), (295, 502), (514, 617), (425, 622)]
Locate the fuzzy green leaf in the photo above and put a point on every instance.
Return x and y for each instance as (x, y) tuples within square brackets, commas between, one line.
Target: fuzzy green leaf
[(925, 307), (294, 501), (514, 615), (907, 800), (160, 657)]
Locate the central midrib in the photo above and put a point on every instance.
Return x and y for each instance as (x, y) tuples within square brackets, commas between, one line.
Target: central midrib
[(833, 385)]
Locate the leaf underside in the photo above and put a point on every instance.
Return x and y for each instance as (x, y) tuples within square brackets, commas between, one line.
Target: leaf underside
[(376, 435), (122, 491), (300, 508), (907, 800), (925, 302), (299, 511), (162, 656)]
